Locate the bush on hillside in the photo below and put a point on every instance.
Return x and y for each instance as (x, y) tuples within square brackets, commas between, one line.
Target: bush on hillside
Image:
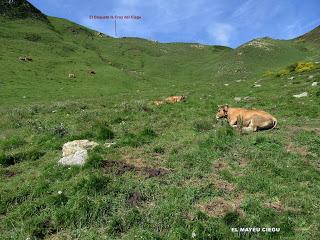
[(304, 66), (33, 37), (293, 68)]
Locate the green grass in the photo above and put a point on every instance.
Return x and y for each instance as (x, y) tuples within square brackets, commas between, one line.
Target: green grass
[(274, 174)]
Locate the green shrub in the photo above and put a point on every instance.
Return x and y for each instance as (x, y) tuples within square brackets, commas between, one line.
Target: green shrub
[(202, 125), (221, 140), (292, 67), (104, 132), (231, 218), (2, 159), (268, 73), (282, 73), (33, 37), (95, 160), (13, 142), (159, 150), (136, 140), (26, 155), (148, 132)]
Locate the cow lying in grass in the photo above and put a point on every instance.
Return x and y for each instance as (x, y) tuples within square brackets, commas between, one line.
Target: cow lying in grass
[(175, 99), (172, 99), (246, 119)]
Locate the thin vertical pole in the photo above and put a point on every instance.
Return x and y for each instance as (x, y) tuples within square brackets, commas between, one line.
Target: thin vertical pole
[(115, 27)]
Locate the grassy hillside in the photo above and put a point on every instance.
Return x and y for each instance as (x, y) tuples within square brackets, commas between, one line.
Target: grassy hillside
[(311, 37), (174, 171)]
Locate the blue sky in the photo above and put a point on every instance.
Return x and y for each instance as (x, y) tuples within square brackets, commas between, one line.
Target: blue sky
[(223, 22)]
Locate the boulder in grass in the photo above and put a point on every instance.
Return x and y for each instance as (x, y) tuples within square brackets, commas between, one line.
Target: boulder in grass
[(304, 94), (75, 152), (314, 84), (237, 99), (78, 158)]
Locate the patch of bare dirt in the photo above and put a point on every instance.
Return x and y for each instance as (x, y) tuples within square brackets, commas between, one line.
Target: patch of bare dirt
[(137, 162), (243, 162), (276, 205), (213, 178), (8, 174), (219, 206), (279, 206), (302, 150), (155, 172), (135, 199), (118, 167), (304, 128), (224, 185), (220, 165)]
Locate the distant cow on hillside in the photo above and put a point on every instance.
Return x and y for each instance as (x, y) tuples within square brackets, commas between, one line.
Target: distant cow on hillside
[(72, 75), (25, 58), (175, 99)]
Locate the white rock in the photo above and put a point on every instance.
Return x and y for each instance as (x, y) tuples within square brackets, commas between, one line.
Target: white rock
[(304, 94), (256, 85), (70, 148), (237, 99), (77, 158), (109, 144), (290, 78), (75, 152), (314, 84), (226, 84), (310, 77)]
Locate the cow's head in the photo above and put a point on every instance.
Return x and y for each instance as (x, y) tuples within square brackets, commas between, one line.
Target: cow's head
[(222, 111)]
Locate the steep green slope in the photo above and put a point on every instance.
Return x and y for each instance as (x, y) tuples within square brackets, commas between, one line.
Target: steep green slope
[(259, 55), (311, 37), (59, 47)]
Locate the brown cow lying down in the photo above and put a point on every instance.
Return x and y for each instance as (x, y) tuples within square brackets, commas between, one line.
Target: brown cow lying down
[(172, 99), (175, 99), (250, 120)]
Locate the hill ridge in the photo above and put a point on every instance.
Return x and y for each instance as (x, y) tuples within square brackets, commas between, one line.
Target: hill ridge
[(20, 9)]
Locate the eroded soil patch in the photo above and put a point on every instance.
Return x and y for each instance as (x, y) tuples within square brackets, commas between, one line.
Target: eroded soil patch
[(219, 207), (135, 199)]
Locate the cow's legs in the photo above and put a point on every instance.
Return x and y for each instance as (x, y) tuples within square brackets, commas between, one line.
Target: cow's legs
[(250, 128)]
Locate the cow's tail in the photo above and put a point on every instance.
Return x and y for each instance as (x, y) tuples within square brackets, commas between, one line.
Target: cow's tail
[(275, 122)]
